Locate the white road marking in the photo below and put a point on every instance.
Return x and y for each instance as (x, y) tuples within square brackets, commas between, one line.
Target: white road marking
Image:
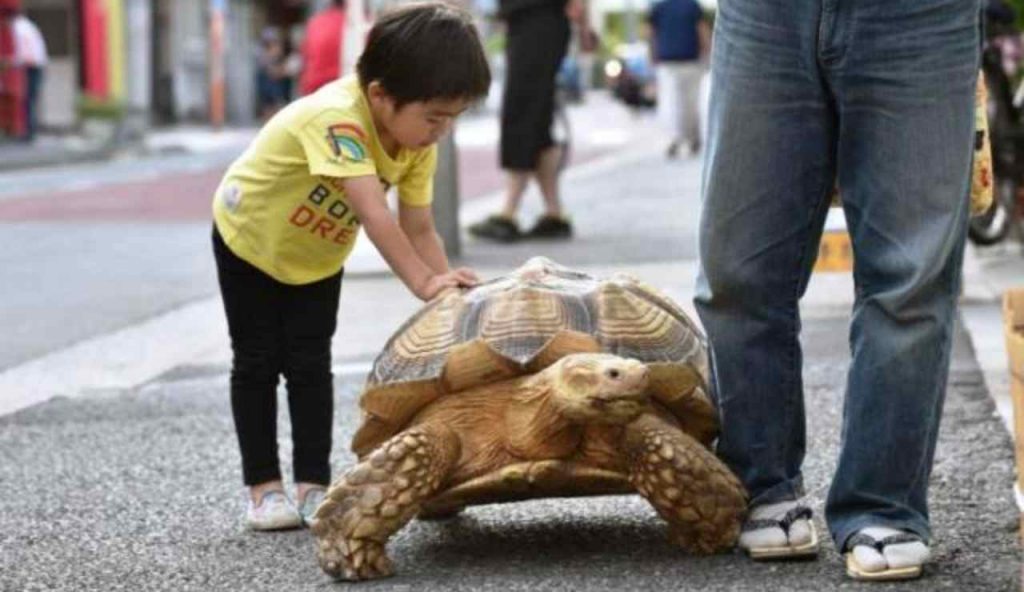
[(120, 359)]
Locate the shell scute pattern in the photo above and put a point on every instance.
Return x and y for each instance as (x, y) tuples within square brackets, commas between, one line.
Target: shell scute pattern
[(520, 323)]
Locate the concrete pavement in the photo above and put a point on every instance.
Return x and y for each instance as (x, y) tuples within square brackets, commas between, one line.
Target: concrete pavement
[(134, 484)]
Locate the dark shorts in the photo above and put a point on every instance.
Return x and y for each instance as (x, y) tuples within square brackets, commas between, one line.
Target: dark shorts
[(536, 45)]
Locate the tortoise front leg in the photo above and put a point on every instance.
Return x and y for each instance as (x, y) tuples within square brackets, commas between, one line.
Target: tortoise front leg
[(375, 498), (688, 486)]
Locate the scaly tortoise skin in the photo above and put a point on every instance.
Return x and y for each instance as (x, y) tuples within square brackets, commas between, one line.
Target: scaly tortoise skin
[(544, 383)]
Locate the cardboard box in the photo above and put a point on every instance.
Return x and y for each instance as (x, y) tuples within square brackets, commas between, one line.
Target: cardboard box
[(835, 252), (1013, 329)]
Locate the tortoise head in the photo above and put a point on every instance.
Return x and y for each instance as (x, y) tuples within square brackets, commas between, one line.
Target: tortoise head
[(599, 387)]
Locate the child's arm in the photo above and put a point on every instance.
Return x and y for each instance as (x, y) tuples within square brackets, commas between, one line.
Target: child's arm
[(366, 196), (418, 224)]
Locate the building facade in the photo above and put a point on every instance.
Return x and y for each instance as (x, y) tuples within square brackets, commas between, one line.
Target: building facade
[(156, 62)]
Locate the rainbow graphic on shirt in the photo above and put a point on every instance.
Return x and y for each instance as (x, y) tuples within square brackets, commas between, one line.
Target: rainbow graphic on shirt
[(347, 140)]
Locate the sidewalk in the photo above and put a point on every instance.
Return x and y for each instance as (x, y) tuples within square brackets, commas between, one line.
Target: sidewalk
[(134, 483), (49, 150), (69, 149)]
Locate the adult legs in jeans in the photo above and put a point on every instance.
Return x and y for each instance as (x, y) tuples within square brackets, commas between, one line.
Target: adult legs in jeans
[(798, 94), (905, 95), (679, 103)]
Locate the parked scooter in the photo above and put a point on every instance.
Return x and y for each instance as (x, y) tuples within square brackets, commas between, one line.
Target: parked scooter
[(630, 76), (1006, 125)]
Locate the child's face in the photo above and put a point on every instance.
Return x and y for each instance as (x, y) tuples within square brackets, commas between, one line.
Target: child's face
[(421, 123)]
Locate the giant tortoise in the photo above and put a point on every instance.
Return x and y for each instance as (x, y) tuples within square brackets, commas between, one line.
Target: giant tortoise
[(546, 382)]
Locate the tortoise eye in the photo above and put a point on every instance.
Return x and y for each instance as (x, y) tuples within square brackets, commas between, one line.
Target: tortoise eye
[(613, 373)]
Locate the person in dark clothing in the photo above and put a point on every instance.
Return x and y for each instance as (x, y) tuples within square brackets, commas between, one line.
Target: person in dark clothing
[(680, 40), (271, 74), (537, 40)]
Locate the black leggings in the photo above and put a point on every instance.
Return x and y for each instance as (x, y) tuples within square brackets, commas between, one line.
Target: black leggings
[(278, 329)]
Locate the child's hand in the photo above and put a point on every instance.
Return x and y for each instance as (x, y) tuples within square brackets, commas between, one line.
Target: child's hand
[(467, 277), (462, 277)]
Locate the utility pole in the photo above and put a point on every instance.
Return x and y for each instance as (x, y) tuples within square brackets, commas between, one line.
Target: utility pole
[(217, 20), (446, 195)]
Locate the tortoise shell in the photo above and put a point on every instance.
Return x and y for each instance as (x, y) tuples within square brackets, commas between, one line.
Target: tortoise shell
[(523, 322)]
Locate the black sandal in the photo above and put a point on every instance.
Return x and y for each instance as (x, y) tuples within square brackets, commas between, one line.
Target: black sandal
[(497, 228), (551, 227)]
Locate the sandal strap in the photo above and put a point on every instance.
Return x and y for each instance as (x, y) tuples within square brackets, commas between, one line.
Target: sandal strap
[(794, 514), (861, 539)]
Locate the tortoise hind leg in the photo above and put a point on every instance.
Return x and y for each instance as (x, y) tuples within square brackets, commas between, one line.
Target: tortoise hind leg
[(429, 514), (374, 499), (688, 486)]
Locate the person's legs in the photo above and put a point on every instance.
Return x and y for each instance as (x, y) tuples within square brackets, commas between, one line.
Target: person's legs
[(552, 223), (251, 305), (520, 109), (503, 227), (34, 79), (547, 179), (768, 171), (309, 314), (669, 104), (689, 75), (515, 186), (904, 78), (535, 49)]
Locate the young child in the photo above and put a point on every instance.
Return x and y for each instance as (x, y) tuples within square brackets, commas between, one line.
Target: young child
[(286, 217)]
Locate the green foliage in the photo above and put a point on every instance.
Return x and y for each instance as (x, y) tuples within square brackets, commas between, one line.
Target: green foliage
[(90, 107), (614, 31), (1018, 7), (494, 44)]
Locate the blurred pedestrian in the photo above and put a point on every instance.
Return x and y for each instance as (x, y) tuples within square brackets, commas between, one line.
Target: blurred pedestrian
[(12, 75), (286, 217), (680, 41), (881, 96), (291, 65), (537, 38), (30, 54), (322, 47), (271, 74)]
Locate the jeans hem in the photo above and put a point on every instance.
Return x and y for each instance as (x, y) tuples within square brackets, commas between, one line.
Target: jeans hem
[(790, 490)]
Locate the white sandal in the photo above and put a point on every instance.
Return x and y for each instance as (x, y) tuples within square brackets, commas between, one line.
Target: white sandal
[(274, 512), (799, 551), (855, 570)]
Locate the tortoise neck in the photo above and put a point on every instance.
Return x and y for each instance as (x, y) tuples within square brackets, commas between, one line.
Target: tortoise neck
[(537, 428)]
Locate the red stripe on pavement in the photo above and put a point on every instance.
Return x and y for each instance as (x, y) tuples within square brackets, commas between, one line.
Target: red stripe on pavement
[(187, 197)]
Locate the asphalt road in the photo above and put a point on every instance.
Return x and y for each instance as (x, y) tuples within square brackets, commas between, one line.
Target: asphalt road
[(138, 491)]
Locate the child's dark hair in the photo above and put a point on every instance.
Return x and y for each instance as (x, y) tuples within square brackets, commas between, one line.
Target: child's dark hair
[(425, 51)]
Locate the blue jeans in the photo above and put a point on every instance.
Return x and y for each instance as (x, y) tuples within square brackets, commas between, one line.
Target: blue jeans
[(876, 95)]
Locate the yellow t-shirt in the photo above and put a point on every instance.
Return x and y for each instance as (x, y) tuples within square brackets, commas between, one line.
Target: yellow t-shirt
[(281, 205)]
